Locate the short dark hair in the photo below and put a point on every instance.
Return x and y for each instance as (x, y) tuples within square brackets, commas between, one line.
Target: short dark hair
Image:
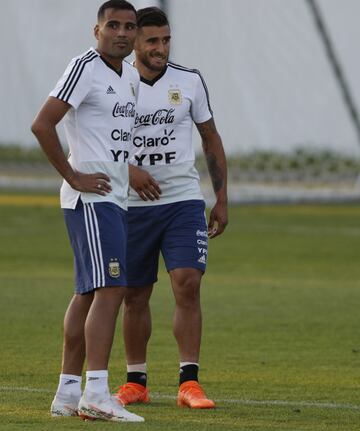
[(151, 16), (114, 4)]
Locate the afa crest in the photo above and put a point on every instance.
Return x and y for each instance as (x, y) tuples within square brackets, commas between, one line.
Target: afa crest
[(114, 268), (175, 97)]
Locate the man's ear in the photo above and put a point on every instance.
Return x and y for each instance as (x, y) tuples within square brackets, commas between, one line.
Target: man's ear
[(96, 31)]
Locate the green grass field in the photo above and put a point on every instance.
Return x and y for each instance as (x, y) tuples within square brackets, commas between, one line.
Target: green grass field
[(281, 305)]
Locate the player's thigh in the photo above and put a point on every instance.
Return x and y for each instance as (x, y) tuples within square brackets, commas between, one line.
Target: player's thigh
[(137, 297), (143, 246), (185, 241)]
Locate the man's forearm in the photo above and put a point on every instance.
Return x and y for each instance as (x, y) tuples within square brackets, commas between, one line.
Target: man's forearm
[(50, 144), (215, 158), (216, 162)]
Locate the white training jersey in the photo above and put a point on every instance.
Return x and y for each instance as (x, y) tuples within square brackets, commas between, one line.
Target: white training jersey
[(162, 140), (99, 124)]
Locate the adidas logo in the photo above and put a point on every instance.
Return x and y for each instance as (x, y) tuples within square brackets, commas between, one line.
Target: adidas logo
[(110, 90), (70, 382), (202, 259)]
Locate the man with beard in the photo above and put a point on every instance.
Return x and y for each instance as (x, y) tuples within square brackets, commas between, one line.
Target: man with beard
[(96, 96), (166, 207)]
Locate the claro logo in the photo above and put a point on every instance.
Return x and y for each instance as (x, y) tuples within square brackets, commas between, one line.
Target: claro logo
[(144, 141)]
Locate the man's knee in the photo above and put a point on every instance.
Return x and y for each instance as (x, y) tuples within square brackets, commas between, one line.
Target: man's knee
[(186, 285), (137, 298), (110, 296)]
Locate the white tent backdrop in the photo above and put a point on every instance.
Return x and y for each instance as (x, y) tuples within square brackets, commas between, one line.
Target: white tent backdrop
[(270, 82)]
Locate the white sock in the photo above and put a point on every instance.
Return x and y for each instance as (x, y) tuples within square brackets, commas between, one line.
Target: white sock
[(97, 382), (136, 368), (68, 383)]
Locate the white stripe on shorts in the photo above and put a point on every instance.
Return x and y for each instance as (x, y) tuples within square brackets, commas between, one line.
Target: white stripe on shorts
[(102, 272), (205, 218), (89, 243), (93, 236)]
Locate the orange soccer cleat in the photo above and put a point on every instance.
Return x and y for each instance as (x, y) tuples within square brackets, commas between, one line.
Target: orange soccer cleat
[(191, 394), (132, 393)]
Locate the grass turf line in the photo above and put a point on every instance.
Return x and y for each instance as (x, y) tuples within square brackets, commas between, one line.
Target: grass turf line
[(29, 200), (280, 304)]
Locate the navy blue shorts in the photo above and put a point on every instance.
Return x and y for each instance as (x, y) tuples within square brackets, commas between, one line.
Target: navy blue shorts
[(97, 233), (178, 230)]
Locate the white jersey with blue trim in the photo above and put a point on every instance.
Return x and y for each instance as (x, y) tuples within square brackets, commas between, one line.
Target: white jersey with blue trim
[(162, 140), (99, 124)]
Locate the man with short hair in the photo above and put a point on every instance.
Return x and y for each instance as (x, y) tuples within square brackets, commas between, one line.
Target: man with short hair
[(166, 207), (96, 98)]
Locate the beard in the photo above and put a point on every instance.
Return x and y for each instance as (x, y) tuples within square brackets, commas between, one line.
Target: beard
[(151, 66)]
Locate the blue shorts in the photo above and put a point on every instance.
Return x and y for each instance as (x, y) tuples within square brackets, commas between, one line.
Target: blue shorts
[(178, 230), (97, 233)]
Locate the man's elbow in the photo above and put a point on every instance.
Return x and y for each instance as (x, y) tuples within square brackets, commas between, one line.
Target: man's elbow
[(38, 127)]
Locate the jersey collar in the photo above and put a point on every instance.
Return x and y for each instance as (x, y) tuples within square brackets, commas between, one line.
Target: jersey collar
[(111, 66), (155, 80)]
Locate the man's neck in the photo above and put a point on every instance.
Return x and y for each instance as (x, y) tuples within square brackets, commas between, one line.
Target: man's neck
[(145, 72), (116, 63)]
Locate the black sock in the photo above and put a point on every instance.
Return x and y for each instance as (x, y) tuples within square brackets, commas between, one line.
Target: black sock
[(136, 377), (188, 372)]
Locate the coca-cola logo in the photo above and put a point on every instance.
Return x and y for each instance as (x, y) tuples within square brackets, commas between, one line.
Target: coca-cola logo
[(127, 110), (161, 116)]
